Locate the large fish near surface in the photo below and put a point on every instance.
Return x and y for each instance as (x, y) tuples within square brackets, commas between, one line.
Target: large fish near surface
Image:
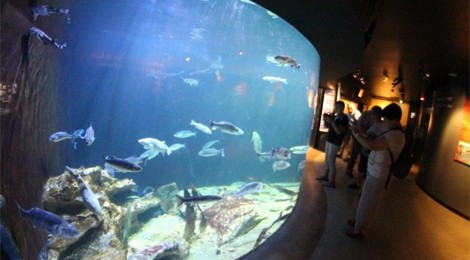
[(226, 127), (44, 38), (59, 136), (89, 198), (49, 222), (46, 10), (89, 136), (121, 165), (201, 127), (257, 142), (272, 79), (280, 165), (153, 143)]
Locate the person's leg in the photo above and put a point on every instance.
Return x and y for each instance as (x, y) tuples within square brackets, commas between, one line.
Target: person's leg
[(368, 204), (355, 150), (332, 164), (324, 177)]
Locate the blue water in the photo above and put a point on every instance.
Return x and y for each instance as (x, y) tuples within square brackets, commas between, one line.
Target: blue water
[(112, 48)]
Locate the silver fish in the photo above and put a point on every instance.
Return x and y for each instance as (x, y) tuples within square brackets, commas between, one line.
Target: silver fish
[(280, 165), (272, 79), (177, 146), (249, 188), (209, 152), (184, 134), (209, 144), (121, 165), (90, 200), (44, 38), (301, 166), (49, 222), (76, 134), (300, 149), (59, 136), (201, 127), (89, 135), (46, 10), (190, 81), (226, 127)]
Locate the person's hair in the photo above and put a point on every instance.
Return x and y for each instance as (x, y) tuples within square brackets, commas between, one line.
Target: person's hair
[(340, 103), (376, 111), (392, 112)]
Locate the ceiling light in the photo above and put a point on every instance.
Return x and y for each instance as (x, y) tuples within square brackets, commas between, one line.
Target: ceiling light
[(397, 80)]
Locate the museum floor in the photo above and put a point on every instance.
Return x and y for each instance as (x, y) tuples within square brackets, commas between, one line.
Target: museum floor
[(410, 224)]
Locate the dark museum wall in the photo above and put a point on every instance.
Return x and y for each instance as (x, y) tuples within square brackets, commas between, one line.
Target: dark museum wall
[(27, 117), (445, 179)]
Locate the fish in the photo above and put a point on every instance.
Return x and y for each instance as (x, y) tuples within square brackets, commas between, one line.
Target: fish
[(272, 79), (145, 156), (49, 222), (209, 152), (300, 149), (209, 144), (287, 61), (201, 127), (273, 15), (44, 38), (184, 134), (153, 143), (59, 136), (196, 198), (280, 153), (257, 142), (89, 136), (75, 135), (177, 146), (47, 10), (190, 81), (226, 127), (89, 198), (249, 188), (121, 165), (301, 166), (280, 165)]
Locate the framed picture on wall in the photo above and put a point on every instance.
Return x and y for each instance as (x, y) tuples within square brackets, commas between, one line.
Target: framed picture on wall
[(462, 153)]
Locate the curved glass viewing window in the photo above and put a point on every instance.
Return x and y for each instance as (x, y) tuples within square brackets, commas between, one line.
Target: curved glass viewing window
[(201, 111)]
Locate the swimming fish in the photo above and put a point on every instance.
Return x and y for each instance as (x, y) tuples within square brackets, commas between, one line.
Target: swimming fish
[(46, 10), (190, 81), (280, 165), (89, 135), (272, 79), (300, 149), (144, 157), (75, 135), (177, 146), (301, 166), (249, 188), (89, 198), (257, 142), (153, 143), (121, 165), (196, 198), (280, 153), (226, 127), (49, 222), (209, 144), (44, 38), (59, 136), (287, 61), (201, 127), (209, 152), (184, 134)]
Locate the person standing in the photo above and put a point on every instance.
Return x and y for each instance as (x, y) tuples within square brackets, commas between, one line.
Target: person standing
[(378, 167), (347, 147), (338, 125)]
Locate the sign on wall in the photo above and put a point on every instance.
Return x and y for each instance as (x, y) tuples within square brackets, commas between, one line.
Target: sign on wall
[(462, 153)]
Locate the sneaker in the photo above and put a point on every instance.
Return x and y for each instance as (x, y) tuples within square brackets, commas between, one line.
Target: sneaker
[(323, 178), (354, 186), (354, 235)]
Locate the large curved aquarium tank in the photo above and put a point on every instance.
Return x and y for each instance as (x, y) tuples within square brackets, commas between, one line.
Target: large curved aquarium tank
[(182, 128)]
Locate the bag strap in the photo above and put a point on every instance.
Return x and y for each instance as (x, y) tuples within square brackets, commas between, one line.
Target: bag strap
[(391, 168)]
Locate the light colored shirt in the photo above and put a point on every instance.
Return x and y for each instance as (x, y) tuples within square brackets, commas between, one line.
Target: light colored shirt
[(379, 161)]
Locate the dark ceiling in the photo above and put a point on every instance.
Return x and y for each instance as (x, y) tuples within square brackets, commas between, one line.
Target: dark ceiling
[(432, 35)]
